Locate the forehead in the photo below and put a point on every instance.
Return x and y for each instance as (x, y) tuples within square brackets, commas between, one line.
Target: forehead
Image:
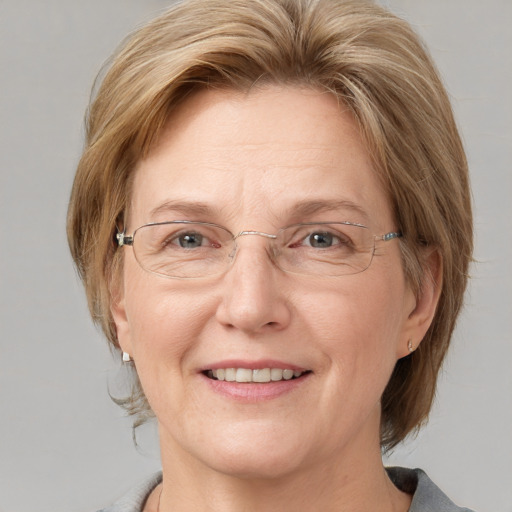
[(263, 156)]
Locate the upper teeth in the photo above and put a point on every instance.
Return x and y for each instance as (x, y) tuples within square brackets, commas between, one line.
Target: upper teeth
[(247, 375)]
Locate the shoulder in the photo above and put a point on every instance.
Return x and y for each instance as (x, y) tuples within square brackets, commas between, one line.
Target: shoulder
[(427, 497), (135, 499)]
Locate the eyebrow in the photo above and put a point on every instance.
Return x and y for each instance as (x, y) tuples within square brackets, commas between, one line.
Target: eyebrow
[(302, 209), (308, 208), (184, 207)]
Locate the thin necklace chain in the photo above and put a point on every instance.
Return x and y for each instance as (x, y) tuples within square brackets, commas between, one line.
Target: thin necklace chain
[(159, 498)]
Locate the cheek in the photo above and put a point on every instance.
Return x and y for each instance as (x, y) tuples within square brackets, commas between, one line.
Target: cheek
[(165, 325), (164, 340), (355, 305), (163, 320), (357, 325)]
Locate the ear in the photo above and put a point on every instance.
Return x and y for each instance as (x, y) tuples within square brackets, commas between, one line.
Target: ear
[(421, 307), (120, 317)]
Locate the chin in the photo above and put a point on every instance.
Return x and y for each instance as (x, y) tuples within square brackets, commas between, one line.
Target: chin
[(244, 453), (249, 466)]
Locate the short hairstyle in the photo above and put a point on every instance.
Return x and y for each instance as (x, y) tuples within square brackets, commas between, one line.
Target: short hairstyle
[(372, 61)]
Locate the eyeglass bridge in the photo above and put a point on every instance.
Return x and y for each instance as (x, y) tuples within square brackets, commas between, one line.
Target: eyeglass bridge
[(260, 233)]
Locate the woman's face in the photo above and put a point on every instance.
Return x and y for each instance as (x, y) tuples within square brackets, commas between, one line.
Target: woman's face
[(261, 161)]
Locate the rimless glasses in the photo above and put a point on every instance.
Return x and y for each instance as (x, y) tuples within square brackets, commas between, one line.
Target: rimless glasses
[(187, 250)]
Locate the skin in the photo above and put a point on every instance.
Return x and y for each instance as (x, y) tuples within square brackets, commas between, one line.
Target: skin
[(251, 158)]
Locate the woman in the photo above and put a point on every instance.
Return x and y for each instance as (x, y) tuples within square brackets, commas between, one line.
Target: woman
[(272, 220)]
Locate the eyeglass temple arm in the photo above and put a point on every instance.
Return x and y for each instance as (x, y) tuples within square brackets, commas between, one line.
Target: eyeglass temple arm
[(123, 239), (390, 236)]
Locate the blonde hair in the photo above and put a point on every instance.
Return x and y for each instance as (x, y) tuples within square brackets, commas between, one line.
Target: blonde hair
[(372, 61)]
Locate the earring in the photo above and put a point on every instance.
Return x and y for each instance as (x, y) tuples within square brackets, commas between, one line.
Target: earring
[(126, 357), (410, 347)]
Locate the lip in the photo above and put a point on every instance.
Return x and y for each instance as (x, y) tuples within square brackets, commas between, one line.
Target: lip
[(254, 392)]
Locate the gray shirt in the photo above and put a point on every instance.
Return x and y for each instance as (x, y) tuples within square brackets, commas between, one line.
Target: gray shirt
[(427, 497)]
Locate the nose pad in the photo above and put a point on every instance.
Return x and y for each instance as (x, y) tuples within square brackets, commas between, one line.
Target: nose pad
[(233, 252), (272, 253)]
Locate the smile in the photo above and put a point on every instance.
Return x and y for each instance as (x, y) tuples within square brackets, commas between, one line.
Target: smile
[(247, 375)]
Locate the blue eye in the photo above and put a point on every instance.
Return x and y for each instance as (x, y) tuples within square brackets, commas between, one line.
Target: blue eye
[(189, 240), (318, 237), (321, 240)]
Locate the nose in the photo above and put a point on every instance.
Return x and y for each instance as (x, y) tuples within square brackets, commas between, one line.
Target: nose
[(253, 298)]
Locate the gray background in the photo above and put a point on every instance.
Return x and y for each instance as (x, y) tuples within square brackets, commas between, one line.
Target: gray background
[(63, 445)]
